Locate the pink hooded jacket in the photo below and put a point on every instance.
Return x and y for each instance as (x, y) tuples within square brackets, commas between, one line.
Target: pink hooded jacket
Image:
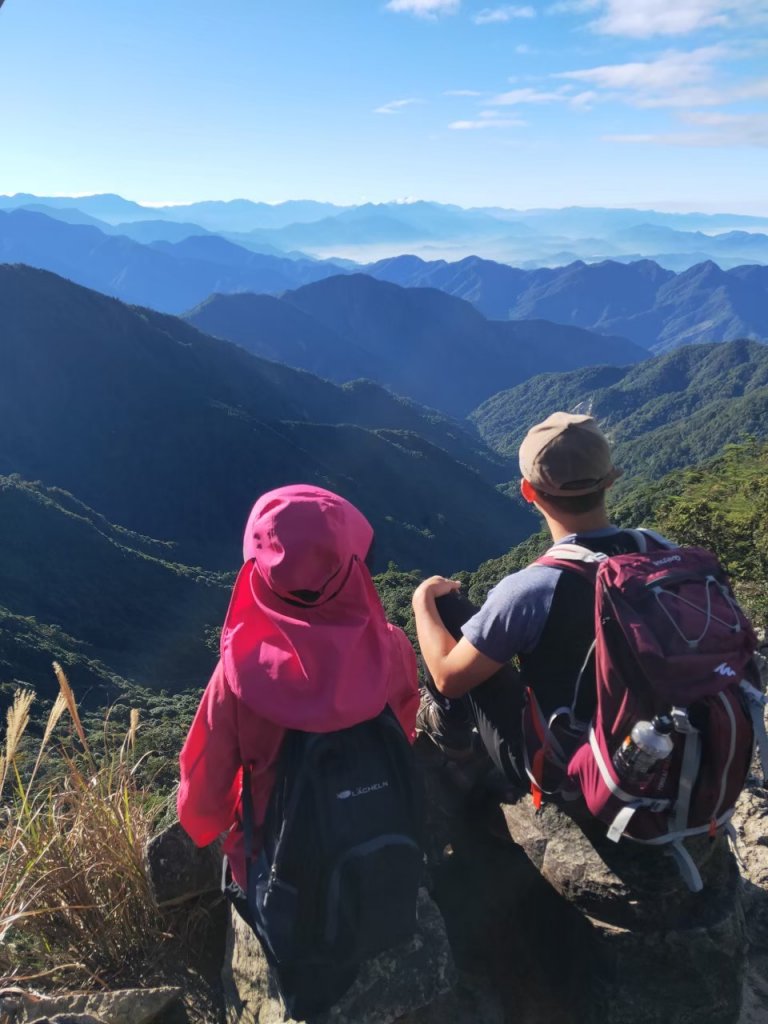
[(305, 645)]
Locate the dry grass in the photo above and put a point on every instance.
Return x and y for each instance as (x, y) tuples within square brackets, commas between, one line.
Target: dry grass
[(74, 891)]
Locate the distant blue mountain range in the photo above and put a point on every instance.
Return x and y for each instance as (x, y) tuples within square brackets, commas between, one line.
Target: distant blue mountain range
[(527, 238), (653, 307)]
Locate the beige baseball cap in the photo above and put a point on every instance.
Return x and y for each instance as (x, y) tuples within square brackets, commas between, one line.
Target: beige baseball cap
[(567, 455)]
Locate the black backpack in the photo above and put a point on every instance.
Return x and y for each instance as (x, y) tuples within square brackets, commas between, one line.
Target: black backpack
[(337, 878)]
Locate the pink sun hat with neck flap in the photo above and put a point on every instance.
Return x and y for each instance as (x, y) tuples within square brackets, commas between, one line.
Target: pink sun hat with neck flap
[(305, 642), (303, 541)]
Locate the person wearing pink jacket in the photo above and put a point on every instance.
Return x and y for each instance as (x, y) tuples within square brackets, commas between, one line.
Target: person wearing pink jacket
[(305, 645)]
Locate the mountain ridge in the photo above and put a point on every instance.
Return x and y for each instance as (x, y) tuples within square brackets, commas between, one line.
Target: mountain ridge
[(120, 405), (674, 410), (435, 348)]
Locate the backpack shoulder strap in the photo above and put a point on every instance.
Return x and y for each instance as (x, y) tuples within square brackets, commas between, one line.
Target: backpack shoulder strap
[(643, 536), (572, 553), (573, 558), (585, 562)]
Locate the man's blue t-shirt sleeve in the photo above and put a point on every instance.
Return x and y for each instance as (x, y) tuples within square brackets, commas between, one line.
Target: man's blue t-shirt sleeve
[(514, 614)]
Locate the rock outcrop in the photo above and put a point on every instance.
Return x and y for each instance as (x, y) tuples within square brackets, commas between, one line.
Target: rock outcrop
[(123, 1006), (658, 953), (390, 987), (178, 869)]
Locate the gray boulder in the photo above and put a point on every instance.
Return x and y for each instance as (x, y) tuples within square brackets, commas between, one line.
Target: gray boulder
[(389, 987), (70, 1018), (122, 1006), (178, 869), (751, 822), (657, 953)]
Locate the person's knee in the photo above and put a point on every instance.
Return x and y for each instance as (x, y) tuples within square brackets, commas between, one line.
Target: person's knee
[(454, 610)]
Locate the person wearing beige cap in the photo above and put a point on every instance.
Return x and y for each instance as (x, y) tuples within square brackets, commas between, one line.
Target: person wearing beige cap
[(539, 615)]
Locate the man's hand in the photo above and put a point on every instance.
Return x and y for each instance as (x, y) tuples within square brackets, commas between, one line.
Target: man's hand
[(434, 587), (455, 667)]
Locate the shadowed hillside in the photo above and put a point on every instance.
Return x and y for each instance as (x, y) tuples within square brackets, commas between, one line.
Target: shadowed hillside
[(172, 433), (109, 603), (653, 307), (420, 342)]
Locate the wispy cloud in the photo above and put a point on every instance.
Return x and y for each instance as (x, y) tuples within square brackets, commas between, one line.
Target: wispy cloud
[(719, 130), (508, 12), (642, 19), (674, 79), (584, 100), (396, 105), (486, 122), (573, 6), (462, 92), (531, 95), (649, 17), (424, 8)]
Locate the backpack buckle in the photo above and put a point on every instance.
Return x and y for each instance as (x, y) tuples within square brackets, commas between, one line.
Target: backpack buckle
[(680, 718)]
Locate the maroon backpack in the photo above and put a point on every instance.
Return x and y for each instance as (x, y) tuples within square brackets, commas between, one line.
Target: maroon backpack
[(670, 639)]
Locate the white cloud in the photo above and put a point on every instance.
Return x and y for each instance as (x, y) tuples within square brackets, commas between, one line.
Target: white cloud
[(494, 15), (486, 122), (721, 131), (584, 100), (523, 49), (674, 79), (395, 105), (672, 69), (696, 97), (462, 92), (573, 6), (643, 18), (715, 118), (752, 90), (529, 95), (424, 8)]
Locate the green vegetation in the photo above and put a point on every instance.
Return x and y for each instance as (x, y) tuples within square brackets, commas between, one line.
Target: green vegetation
[(721, 505), (114, 606), (666, 413)]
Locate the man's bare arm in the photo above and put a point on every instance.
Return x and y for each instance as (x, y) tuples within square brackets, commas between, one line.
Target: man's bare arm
[(455, 666)]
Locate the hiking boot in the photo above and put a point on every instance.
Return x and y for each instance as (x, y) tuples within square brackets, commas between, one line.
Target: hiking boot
[(451, 733)]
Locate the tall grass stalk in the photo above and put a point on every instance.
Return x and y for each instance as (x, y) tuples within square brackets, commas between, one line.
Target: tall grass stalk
[(73, 883)]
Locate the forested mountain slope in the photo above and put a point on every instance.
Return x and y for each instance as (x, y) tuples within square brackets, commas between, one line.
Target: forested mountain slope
[(671, 411)]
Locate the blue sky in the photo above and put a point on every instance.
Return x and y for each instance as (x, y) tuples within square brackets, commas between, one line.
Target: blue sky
[(581, 102)]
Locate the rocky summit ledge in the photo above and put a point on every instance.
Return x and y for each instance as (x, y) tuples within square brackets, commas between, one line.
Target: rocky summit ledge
[(658, 952), (122, 1006), (390, 987)]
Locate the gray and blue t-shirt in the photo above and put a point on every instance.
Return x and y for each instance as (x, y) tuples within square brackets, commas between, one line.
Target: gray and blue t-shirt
[(545, 617)]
